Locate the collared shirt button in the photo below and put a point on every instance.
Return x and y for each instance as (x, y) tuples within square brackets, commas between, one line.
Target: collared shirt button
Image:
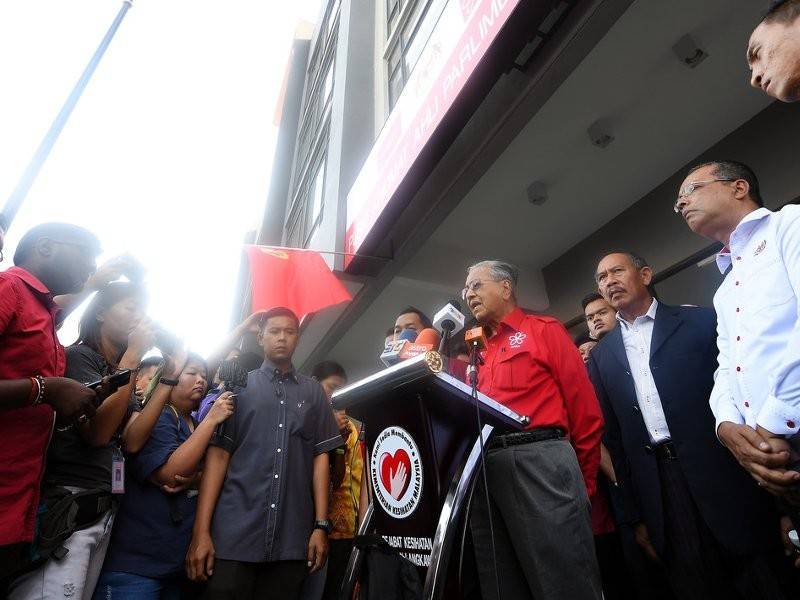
[(738, 338), (280, 424), (281, 401), (738, 258), (272, 506), (276, 475), (790, 424), (746, 403), (737, 283), (737, 309), (279, 449), (738, 368)]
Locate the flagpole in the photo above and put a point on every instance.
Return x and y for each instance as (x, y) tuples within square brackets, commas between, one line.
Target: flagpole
[(19, 194), (333, 252)]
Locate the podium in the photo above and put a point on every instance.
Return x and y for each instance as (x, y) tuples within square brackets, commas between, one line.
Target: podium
[(423, 455)]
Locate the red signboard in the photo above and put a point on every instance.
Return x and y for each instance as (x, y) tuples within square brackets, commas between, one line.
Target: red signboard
[(460, 39)]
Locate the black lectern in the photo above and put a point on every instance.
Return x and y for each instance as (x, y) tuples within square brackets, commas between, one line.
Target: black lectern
[(423, 454)]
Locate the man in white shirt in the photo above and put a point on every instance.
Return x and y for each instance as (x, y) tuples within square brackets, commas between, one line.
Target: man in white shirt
[(756, 396), (773, 52)]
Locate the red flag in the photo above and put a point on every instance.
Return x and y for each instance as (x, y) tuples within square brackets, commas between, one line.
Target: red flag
[(299, 280)]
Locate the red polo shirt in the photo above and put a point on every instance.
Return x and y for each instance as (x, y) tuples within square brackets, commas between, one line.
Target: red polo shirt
[(28, 346), (533, 368)]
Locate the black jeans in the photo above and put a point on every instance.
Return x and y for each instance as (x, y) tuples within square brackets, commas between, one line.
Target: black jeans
[(235, 580)]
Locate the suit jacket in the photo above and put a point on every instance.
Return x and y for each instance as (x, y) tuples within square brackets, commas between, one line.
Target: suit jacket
[(683, 358)]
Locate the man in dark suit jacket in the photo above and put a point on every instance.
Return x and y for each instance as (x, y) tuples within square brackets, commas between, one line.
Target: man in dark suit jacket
[(696, 510)]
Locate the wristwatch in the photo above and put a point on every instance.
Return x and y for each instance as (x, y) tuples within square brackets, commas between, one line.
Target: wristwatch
[(324, 525)]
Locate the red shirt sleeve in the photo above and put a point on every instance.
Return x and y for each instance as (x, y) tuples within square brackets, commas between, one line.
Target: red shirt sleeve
[(9, 301), (583, 410)]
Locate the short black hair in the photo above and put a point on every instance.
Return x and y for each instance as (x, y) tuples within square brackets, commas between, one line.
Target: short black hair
[(733, 170), (589, 298), (279, 311), (150, 361), (782, 11), (328, 368), (108, 296), (426, 322), (63, 232)]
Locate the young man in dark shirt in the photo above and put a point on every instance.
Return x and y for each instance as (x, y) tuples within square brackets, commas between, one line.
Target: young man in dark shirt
[(261, 523)]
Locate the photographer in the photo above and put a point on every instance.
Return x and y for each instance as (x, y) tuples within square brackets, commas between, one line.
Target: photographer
[(114, 335)]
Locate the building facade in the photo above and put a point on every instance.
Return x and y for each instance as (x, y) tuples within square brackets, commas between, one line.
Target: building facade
[(419, 136)]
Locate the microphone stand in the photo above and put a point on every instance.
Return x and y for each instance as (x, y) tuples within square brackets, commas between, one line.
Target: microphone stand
[(475, 359)]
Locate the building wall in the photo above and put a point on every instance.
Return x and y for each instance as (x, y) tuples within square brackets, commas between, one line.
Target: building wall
[(767, 143)]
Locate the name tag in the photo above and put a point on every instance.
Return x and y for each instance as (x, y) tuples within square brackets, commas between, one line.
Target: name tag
[(117, 472)]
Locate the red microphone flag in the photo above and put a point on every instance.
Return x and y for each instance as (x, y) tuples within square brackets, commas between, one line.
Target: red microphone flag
[(299, 280)]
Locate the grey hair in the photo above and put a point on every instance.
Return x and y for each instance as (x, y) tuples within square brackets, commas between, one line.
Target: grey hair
[(499, 271)]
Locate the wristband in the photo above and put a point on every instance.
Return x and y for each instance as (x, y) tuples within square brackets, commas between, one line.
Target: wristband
[(169, 382)]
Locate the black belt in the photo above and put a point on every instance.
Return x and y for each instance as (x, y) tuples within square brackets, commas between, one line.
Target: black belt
[(664, 450), (526, 437)]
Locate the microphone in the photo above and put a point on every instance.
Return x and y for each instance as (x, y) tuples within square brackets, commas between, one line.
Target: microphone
[(391, 352), (476, 339), (428, 339), (448, 320)]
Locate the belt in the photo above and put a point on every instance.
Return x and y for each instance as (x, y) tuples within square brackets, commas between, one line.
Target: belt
[(526, 437), (664, 450)]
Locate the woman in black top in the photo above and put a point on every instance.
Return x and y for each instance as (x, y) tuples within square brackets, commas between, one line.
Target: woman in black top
[(114, 335)]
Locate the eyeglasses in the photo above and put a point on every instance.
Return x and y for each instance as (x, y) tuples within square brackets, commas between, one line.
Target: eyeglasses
[(472, 286), (690, 188)]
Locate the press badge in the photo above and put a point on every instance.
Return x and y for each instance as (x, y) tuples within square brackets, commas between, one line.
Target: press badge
[(117, 472)]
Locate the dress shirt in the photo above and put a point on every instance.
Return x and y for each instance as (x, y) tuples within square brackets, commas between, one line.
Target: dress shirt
[(265, 511), (28, 346), (533, 368), (758, 380), (637, 337)]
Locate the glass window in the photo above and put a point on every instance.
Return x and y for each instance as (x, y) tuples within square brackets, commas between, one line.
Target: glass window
[(327, 86), (317, 194), (408, 47), (423, 33)]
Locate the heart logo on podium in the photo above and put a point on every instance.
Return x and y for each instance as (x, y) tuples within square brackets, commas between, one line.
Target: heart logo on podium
[(395, 472)]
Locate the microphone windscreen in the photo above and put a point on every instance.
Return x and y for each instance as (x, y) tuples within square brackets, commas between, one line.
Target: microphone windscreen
[(429, 336), (407, 334)]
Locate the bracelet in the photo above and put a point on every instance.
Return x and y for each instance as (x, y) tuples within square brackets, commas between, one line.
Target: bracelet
[(169, 382), (34, 393), (40, 393)]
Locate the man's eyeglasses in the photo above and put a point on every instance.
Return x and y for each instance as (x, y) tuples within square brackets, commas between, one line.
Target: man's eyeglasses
[(472, 286), (690, 188)]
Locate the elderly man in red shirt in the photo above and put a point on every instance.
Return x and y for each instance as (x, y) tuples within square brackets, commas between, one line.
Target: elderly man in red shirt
[(51, 259), (540, 480)]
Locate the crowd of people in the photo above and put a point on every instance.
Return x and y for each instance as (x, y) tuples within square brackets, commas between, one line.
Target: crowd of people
[(661, 460)]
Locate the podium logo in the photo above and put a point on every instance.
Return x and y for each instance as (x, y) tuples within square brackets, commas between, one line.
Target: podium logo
[(396, 472)]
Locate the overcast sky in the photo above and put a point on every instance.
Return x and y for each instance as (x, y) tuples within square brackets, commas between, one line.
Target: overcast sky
[(168, 153)]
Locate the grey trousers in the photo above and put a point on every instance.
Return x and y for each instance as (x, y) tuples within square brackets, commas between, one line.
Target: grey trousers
[(542, 525)]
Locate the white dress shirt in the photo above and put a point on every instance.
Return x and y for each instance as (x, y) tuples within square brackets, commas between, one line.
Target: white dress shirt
[(637, 337), (758, 380)]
